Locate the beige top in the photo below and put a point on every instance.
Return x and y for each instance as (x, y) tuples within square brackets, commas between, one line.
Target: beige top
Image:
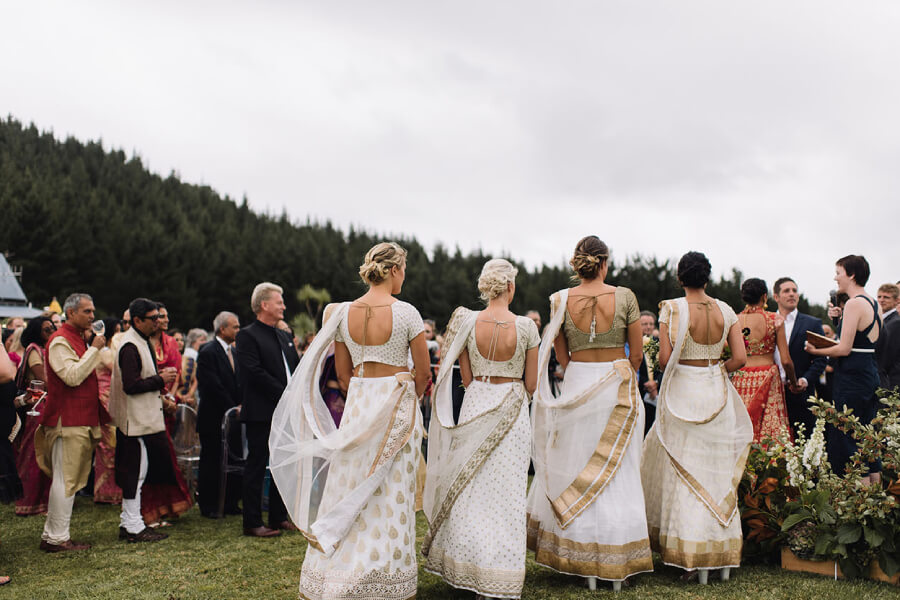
[(406, 324), (693, 350), (625, 314), (65, 362), (526, 338), (135, 414)]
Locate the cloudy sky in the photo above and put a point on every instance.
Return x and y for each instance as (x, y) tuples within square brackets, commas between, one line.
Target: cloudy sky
[(766, 134)]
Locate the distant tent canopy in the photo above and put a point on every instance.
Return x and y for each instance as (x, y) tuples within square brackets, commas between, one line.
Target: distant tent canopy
[(13, 302)]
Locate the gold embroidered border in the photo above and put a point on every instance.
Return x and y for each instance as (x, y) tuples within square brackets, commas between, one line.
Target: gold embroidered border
[(496, 583), (606, 561), (402, 427), (693, 555), (511, 407), (317, 584), (607, 457)]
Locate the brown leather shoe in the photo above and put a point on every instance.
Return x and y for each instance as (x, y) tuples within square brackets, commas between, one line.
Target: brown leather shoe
[(287, 526), (146, 535), (261, 531), (66, 546)]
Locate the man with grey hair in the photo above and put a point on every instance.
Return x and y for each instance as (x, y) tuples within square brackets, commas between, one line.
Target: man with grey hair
[(70, 418), (217, 385), (266, 358)]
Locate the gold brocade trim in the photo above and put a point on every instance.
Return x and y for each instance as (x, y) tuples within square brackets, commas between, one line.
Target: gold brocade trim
[(696, 555), (511, 408), (312, 540), (318, 584), (606, 561), (401, 429), (607, 456), (496, 583)]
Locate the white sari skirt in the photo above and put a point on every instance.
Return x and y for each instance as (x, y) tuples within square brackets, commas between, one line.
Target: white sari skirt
[(481, 544), (377, 557), (691, 494), (608, 539)]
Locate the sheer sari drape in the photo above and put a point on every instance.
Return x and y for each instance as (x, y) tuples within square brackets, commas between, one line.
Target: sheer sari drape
[(694, 456), (585, 507)]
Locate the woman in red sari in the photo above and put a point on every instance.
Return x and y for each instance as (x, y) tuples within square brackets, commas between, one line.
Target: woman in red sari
[(166, 501), (759, 381), (36, 485), (105, 489)]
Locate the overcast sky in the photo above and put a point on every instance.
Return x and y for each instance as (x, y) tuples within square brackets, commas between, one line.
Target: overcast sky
[(766, 134)]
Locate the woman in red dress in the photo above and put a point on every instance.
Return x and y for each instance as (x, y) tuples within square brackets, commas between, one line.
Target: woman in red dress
[(105, 489), (35, 484), (759, 381), (166, 501)]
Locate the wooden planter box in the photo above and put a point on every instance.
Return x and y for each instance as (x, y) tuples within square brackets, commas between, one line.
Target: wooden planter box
[(830, 568)]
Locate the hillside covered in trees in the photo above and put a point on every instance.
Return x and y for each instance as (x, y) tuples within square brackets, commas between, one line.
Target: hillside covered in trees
[(79, 217)]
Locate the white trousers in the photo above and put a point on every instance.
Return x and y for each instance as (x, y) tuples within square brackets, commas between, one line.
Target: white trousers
[(131, 518), (59, 506)]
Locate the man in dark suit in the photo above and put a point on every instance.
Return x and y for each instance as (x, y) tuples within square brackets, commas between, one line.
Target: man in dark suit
[(217, 384), (807, 367), (887, 349), (266, 359)]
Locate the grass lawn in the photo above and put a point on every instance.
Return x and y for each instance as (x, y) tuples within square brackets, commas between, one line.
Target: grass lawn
[(205, 559)]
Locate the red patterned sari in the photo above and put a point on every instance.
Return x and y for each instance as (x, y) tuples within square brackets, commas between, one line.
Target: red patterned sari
[(761, 387), (159, 501), (105, 489), (35, 484)]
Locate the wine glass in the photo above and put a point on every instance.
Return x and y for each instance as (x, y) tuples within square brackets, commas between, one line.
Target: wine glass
[(98, 327), (38, 391)]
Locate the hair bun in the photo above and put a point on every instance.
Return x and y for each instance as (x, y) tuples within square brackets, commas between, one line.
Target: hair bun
[(496, 275), (379, 261)]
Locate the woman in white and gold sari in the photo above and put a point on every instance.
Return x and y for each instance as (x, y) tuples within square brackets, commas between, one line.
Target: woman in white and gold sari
[(351, 489), (586, 507), (694, 455), (478, 467)]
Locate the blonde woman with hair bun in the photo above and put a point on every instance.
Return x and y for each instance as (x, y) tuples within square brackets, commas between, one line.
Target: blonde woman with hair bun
[(351, 488), (586, 506), (478, 466)]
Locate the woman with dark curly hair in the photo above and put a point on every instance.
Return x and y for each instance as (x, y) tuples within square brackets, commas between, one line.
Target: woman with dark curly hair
[(759, 381), (585, 508), (36, 484), (694, 455)]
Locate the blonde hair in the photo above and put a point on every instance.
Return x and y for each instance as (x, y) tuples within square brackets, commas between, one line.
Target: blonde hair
[(589, 257), (261, 293), (496, 275), (379, 261)]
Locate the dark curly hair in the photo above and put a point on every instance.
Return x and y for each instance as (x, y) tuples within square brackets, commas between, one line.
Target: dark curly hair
[(694, 270), (32, 332), (589, 257), (752, 290)]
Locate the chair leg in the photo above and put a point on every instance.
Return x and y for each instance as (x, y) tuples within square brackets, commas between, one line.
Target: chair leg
[(617, 586), (223, 477), (703, 576), (726, 573)]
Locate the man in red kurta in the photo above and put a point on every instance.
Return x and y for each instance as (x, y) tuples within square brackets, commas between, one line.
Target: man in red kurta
[(70, 419)]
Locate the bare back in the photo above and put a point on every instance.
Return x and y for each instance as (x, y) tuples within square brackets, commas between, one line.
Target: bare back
[(495, 336)]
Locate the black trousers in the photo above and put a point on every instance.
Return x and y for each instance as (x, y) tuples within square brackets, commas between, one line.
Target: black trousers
[(210, 474), (254, 474)]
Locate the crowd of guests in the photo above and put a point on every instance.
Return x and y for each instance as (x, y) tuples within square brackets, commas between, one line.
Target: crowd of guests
[(637, 428)]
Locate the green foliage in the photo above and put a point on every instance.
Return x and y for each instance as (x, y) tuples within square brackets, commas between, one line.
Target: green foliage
[(80, 217)]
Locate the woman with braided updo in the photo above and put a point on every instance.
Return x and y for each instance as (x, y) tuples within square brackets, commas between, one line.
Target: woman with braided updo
[(351, 488), (694, 454), (478, 466), (586, 507)]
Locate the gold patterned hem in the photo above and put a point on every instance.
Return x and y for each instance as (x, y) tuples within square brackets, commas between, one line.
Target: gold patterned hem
[(496, 583), (589, 559), (607, 456), (317, 584), (689, 554)]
